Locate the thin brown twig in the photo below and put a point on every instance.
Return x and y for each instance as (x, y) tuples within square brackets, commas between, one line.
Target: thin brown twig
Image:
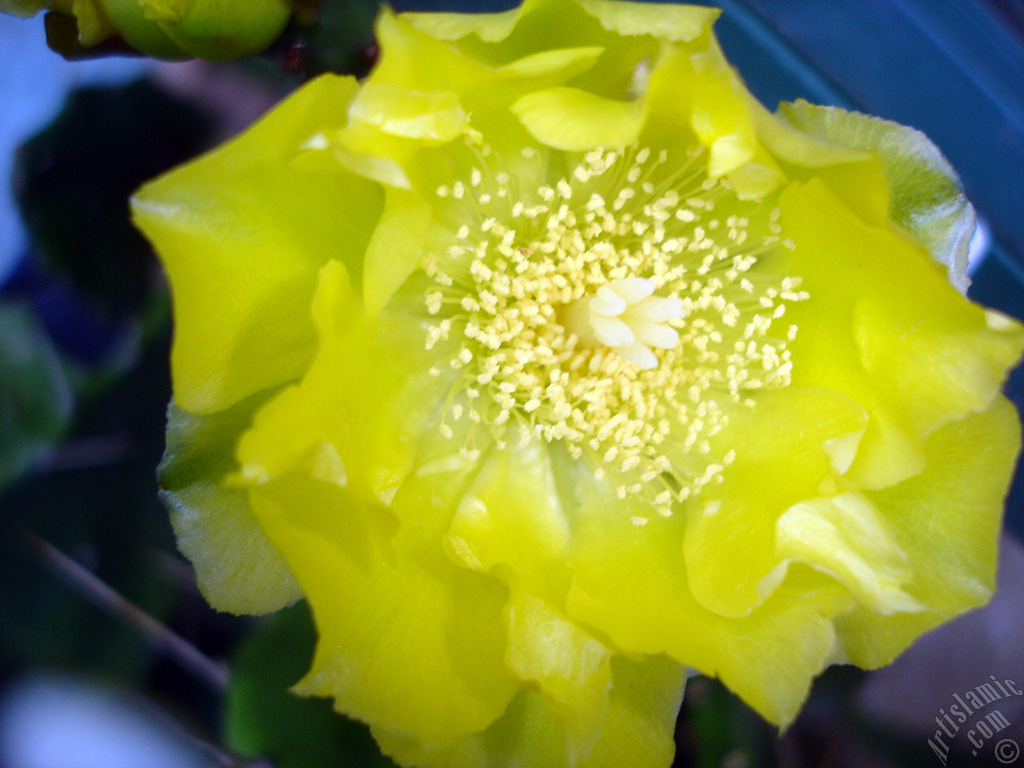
[(93, 589)]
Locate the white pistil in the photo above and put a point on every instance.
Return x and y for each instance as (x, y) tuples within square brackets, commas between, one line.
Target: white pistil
[(626, 316)]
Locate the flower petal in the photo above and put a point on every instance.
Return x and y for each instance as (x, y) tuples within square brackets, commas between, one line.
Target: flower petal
[(511, 521), (571, 119), (396, 248), (237, 568), (566, 664), (436, 117), (210, 221), (629, 583), (403, 620), (882, 312), (489, 27), (927, 199), (946, 520), (664, 21), (642, 704), (693, 85), (375, 424), (739, 516), (847, 537)]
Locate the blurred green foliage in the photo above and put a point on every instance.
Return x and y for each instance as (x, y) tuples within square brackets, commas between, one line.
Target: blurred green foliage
[(35, 397)]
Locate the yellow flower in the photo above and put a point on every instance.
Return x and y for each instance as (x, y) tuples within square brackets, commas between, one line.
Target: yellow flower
[(546, 364), (207, 29)]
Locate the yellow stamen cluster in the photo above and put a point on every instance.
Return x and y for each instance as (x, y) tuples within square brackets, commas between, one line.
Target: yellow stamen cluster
[(507, 295)]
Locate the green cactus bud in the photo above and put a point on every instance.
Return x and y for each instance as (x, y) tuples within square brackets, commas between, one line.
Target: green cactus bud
[(217, 29), (170, 29)]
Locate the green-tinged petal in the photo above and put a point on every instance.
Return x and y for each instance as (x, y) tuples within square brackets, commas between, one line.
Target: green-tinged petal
[(237, 568), (740, 515), (288, 435), (497, 39), (408, 640), (719, 115), (486, 85), (881, 312), (93, 25), (570, 119), (967, 354), (946, 520), (360, 149), (568, 61), (856, 175), (630, 583), (242, 211), (927, 200), (511, 521), (525, 736), (643, 705), (643, 701), (404, 48), (797, 146), (293, 432), (665, 21)]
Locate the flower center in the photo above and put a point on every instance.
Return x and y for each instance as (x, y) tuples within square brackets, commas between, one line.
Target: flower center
[(626, 316), (622, 311)]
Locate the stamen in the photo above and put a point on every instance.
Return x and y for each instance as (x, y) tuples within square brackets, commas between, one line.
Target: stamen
[(618, 329)]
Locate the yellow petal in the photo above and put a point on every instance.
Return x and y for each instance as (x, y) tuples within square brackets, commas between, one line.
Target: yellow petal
[(927, 199), (372, 423), (428, 116), (408, 642), (210, 221), (665, 21), (883, 312), (570, 668), (846, 536), (511, 521), (570, 119), (489, 27), (630, 582), (946, 520), (643, 700), (396, 247), (739, 517)]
